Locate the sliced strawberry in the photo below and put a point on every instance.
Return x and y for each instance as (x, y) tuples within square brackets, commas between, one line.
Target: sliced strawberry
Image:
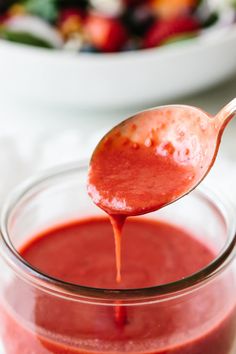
[(163, 30), (105, 33)]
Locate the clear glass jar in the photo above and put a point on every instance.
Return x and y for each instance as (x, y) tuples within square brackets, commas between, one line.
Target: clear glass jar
[(28, 298)]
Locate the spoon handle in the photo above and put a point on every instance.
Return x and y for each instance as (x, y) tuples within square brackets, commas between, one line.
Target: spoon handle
[(226, 114)]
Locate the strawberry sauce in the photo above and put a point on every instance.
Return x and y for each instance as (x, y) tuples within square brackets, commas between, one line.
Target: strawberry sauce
[(154, 253)]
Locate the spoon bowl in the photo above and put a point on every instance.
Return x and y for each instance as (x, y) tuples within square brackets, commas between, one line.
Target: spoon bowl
[(155, 157)]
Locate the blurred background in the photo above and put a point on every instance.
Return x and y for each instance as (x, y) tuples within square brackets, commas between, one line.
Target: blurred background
[(70, 70)]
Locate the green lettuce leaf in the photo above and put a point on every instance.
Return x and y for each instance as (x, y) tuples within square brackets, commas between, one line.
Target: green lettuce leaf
[(24, 38), (46, 9)]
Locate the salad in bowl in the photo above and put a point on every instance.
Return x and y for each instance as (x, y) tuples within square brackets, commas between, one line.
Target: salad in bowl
[(109, 54), (106, 26)]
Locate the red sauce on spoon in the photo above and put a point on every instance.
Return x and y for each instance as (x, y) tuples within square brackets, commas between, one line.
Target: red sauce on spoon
[(152, 159)]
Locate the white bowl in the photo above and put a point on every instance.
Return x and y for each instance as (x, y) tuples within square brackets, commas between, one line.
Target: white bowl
[(99, 81)]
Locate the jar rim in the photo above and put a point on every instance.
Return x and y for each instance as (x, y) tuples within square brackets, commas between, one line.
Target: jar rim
[(65, 289)]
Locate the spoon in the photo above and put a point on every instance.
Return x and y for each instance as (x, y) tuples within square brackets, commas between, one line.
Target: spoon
[(155, 157), (150, 160)]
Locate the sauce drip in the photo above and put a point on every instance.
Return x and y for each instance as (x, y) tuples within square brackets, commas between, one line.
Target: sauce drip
[(117, 222)]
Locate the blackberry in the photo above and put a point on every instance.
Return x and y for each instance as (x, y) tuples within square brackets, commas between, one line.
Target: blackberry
[(138, 19), (5, 4), (80, 4)]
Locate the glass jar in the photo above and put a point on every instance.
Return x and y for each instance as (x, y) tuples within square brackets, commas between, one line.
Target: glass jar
[(41, 315)]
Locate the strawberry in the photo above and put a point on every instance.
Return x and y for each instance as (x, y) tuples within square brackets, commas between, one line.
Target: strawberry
[(166, 9), (105, 33), (163, 30)]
